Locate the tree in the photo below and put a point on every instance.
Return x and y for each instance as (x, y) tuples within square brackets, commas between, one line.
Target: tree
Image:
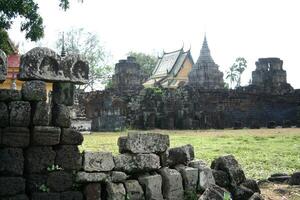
[(146, 61), (235, 72), (78, 41)]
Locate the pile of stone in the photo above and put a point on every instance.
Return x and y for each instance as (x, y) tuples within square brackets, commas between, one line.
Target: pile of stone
[(293, 179), (147, 168)]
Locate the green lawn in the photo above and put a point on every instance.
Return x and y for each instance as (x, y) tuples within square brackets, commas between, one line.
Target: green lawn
[(260, 152)]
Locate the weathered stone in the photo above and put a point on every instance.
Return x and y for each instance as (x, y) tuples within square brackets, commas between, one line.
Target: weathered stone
[(172, 184), (15, 137), (68, 157), (63, 93), (144, 143), (230, 165), (84, 177), (71, 195), (92, 191), (206, 178), (98, 161), (199, 164), (221, 178), (45, 196), (37, 159), (241, 193), (256, 196), (279, 179), (8, 95), (117, 176), (11, 186), (214, 192), (134, 190), (131, 163), (152, 186), (4, 116), (115, 191), (59, 181), (45, 135), (61, 116), (12, 161), (252, 185), (3, 66), (19, 113), (16, 197), (34, 91), (190, 177), (34, 182), (71, 136), (295, 179), (42, 114), (178, 155)]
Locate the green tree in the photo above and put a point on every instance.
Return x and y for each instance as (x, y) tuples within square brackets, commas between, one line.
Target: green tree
[(78, 41), (146, 61), (235, 72)]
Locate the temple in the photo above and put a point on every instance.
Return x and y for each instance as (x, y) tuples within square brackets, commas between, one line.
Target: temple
[(205, 73), (171, 70)]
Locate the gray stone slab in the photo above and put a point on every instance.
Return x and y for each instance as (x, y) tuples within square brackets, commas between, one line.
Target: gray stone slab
[(178, 155), (152, 185), (85, 177), (172, 184), (134, 190), (98, 161), (12, 161), (45, 135), (11, 186), (34, 91), (115, 191), (19, 113), (42, 114), (15, 137)]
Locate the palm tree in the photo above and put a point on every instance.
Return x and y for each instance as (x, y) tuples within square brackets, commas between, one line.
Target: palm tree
[(232, 75), (240, 66)]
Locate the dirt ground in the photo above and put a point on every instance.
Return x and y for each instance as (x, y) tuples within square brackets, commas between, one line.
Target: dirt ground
[(274, 191)]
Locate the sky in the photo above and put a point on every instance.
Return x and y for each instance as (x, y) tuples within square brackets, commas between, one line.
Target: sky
[(234, 28)]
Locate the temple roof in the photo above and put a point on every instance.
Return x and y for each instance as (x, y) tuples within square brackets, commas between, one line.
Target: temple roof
[(205, 56), (170, 63)]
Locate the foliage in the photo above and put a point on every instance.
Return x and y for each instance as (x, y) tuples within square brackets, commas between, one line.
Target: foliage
[(44, 188), (146, 61), (4, 44), (227, 196), (87, 44), (54, 168), (235, 72), (243, 144)]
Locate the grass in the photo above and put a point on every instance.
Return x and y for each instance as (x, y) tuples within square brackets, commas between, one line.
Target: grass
[(260, 152)]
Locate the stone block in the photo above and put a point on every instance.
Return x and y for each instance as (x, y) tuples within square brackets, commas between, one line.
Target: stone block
[(71, 136), (45, 196), (16, 197), (12, 161), (61, 116), (63, 93), (45, 135), (15, 137), (44, 64), (221, 178), (252, 185), (92, 191), (178, 155), (3, 66), (71, 195), (59, 181), (152, 186), (34, 182), (85, 177), (144, 143), (134, 190), (37, 159), (214, 192), (98, 161), (295, 179), (132, 163), (172, 184), (11, 186), (241, 193), (42, 114), (230, 165), (199, 164), (256, 196), (190, 177), (117, 177), (4, 115), (8, 95), (19, 113), (68, 157), (206, 178), (34, 91), (115, 191)]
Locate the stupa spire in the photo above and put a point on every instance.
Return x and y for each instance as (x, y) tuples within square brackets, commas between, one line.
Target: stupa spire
[(205, 56)]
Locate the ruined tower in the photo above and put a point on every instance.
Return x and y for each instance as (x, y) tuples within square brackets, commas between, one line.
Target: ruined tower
[(205, 73)]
